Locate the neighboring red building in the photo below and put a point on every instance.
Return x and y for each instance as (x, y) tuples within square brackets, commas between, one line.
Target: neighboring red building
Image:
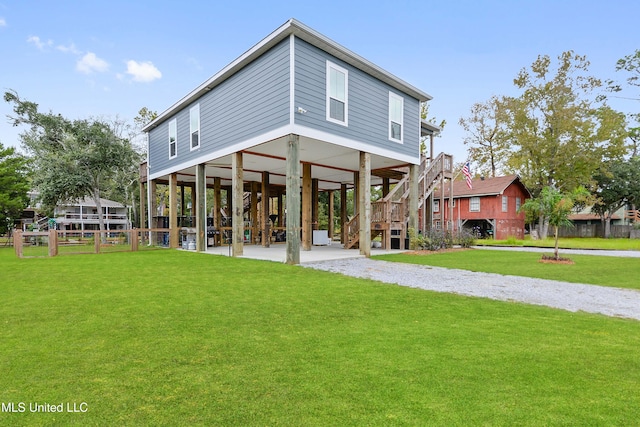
[(490, 207)]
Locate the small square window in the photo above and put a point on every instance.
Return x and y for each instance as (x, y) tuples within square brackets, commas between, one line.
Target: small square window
[(474, 204)]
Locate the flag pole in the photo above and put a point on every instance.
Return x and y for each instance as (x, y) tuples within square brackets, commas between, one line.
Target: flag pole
[(460, 171)]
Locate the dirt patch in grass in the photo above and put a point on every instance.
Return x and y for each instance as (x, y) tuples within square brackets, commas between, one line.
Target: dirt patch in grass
[(547, 259)]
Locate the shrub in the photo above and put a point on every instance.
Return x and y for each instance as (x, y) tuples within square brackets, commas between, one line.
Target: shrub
[(465, 238), (432, 240)]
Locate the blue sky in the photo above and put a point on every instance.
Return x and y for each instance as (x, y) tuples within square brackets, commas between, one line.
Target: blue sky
[(97, 58)]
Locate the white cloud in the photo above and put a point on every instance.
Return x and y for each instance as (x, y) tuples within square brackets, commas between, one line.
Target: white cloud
[(69, 49), (3, 23), (143, 71), (40, 44), (91, 63)]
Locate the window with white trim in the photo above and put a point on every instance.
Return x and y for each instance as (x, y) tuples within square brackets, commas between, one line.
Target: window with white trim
[(518, 203), (194, 126), (474, 204), (436, 205), (173, 138), (396, 114), (337, 94), (505, 203)]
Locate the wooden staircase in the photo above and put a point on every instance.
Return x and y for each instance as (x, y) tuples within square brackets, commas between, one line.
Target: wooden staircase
[(392, 211), (633, 215)]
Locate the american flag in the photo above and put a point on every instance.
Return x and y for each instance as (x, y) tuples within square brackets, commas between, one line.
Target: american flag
[(466, 171)]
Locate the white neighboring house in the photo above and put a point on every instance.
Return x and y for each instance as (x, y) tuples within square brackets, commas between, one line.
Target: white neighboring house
[(83, 215)]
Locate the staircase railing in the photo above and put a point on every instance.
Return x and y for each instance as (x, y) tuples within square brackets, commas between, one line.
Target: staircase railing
[(43, 224), (353, 232), (394, 207)]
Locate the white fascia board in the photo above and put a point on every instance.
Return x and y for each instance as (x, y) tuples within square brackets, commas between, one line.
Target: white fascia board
[(274, 134), (355, 145)]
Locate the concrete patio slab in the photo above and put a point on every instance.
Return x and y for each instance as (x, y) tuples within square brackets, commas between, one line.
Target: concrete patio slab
[(277, 252)]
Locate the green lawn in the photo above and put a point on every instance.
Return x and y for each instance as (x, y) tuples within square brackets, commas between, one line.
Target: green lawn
[(589, 269), (179, 338), (568, 243)]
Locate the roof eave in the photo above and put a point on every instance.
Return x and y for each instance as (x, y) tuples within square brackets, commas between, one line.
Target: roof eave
[(307, 34), (427, 128)]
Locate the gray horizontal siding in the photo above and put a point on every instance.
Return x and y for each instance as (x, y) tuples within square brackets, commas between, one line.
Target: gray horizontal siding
[(368, 101), (251, 102)]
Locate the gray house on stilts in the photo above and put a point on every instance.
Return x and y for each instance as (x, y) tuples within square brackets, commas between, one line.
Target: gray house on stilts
[(295, 115)]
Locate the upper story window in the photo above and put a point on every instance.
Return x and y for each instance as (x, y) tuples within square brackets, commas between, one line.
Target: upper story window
[(173, 139), (436, 205), (396, 113), (337, 94), (474, 204), (194, 126), (518, 203), (505, 203)]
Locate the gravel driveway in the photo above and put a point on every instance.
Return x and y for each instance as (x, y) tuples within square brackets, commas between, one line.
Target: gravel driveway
[(566, 296)]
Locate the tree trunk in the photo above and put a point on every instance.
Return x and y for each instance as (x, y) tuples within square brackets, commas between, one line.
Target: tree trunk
[(96, 199), (607, 226), (493, 165), (555, 251), (543, 222)]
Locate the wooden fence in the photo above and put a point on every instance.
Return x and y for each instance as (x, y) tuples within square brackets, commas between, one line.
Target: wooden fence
[(596, 230), (65, 242)]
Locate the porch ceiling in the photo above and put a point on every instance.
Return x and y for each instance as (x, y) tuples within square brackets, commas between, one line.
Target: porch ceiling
[(332, 164)]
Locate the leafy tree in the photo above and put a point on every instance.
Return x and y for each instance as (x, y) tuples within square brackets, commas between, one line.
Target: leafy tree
[(424, 115), (144, 117), (488, 137), (630, 64), (560, 136), (72, 159), (617, 185), (634, 136), (14, 185), (555, 207), (123, 185)]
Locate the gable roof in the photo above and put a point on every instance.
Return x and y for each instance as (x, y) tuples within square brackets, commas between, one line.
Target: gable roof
[(307, 34), (483, 187), (89, 202), (589, 217)]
